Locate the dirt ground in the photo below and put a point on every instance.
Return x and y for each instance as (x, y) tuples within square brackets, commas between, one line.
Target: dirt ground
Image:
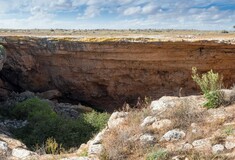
[(148, 34)]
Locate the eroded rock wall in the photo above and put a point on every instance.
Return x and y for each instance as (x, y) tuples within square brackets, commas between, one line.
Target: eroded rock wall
[(106, 74)]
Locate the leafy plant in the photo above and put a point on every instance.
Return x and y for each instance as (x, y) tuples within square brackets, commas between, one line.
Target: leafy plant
[(210, 83), (228, 130), (158, 155), (84, 153), (52, 147), (97, 120)]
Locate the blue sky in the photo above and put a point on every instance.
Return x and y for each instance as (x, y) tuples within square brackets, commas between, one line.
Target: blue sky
[(118, 14)]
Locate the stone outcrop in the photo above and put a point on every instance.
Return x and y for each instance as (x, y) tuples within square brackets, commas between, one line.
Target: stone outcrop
[(213, 138), (106, 74)]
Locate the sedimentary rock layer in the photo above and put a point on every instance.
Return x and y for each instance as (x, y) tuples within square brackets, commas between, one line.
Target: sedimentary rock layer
[(106, 74)]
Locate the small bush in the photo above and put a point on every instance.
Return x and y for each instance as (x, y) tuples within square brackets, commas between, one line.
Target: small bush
[(44, 123), (210, 83), (158, 155), (97, 120), (228, 130), (31, 108), (52, 147), (84, 153)]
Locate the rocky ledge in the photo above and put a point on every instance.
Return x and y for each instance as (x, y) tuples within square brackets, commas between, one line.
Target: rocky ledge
[(169, 128)]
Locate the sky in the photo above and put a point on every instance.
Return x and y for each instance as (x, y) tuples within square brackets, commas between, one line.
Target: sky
[(118, 14)]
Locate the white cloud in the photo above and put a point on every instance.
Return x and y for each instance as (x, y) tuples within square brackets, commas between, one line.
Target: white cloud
[(150, 8), (132, 11), (198, 14), (92, 11)]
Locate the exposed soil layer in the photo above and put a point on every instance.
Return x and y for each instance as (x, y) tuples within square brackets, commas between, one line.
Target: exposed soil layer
[(107, 74)]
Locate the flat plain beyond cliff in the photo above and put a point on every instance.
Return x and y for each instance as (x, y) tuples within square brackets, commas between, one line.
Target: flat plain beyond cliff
[(113, 35)]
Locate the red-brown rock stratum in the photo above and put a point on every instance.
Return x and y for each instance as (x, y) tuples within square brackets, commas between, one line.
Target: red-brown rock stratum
[(107, 73)]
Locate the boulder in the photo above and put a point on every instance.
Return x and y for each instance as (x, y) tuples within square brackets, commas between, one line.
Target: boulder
[(217, 115), (164, 123), (94, 146), (218, 148), (164, 103), (147, 121), (172, 135), (11, 142), (116, 119), (21, 153), (99, 137), (147, 139), (95, 149), (228, 95), (230, 142), (202, 145), (187, 147), (3, 147)]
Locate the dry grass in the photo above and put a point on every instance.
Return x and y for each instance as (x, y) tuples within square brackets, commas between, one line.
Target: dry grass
[(193, 155), (184, 115), (123, 142), (183, 155)]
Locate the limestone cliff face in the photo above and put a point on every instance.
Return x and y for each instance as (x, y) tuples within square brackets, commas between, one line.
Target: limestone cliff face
[(106, 74)]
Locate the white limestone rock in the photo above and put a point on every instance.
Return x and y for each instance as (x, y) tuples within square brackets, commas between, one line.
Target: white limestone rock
[(147, 139), (202, 145), (116, 119), (21, 153), (164, 103), (164, 123), (3, 146), (147, 121), (230, 142), (95, 149), (173, 135), (218, 148)]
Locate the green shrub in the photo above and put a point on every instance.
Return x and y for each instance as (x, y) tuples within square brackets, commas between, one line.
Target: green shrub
[(228, 130), (158, 155), (44, 123), (97, 120), (31, 108), (210, 83)]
